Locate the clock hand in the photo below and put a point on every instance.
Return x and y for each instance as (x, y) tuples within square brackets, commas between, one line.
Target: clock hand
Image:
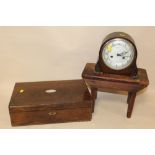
[(121, 54)]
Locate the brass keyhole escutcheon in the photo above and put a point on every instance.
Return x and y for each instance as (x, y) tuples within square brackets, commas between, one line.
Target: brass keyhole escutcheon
[(52, 113)]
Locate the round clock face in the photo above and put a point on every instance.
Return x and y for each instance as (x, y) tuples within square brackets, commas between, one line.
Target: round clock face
[(118, 53)]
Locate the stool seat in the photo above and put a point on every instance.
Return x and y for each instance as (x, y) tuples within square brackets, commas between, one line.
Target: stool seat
[(102, 82)]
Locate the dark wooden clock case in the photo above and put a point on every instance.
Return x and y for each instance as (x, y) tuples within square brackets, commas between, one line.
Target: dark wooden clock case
[(131, 70)]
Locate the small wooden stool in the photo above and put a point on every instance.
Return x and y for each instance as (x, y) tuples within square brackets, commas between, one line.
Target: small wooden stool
[(103, 82)]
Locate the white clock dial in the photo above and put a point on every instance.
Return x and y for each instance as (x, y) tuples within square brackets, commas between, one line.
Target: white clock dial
[(118, 53)]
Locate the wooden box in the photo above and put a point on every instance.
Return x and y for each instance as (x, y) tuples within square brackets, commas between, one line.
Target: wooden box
[(50, 102)]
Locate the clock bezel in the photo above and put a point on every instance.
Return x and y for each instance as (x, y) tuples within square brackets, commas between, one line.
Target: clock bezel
[(130, 70)]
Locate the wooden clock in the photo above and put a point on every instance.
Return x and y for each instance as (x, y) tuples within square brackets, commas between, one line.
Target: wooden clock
[(116, 69), (118, 55)]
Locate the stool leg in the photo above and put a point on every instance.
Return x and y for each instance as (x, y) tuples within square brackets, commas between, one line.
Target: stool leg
[(131, 100), (94, 96), (129, 96)]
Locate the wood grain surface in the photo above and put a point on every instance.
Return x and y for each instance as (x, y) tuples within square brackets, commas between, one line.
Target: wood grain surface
[(31, 104)]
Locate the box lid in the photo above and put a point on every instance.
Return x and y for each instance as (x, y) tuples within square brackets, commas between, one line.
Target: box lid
[(32, 96)]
